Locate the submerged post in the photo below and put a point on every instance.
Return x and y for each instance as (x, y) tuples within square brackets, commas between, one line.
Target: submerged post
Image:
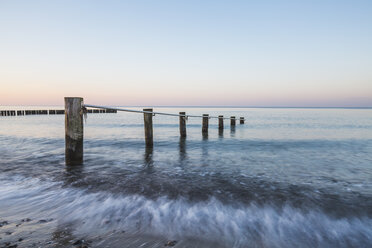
[(241, 120), (232, 121), (183, 124), (74, 130), (148, 128), (205, 124), (220, 122)]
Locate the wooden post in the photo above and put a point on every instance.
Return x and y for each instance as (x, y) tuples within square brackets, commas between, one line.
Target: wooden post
[(74, 130), (182, 147), (232, 122), (205, 124), (148, 128), (220, 122), (183, 124), (241, 120)]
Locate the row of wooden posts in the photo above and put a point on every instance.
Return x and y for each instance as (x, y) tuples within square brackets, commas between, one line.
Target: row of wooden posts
[(74, 127), (49, 112)]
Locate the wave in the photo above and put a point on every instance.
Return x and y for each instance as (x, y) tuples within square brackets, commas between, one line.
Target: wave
[(250, 225)]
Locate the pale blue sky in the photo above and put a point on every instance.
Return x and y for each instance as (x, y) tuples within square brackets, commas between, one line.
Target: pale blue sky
[(246, 53)]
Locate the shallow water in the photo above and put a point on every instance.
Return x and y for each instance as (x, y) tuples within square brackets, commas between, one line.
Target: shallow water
[(286, 178)]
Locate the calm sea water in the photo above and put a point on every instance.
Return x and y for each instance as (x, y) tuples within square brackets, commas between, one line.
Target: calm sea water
[(286, 178)]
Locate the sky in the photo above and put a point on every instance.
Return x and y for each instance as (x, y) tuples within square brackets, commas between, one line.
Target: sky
[(187, 53)]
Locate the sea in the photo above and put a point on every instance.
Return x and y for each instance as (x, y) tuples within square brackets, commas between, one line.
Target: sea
[(287, 177)]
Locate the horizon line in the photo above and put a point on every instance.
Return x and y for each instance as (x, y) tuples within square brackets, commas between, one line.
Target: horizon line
[(213, 106)]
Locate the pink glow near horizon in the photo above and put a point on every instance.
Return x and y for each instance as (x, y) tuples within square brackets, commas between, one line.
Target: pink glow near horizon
[(126, 99)]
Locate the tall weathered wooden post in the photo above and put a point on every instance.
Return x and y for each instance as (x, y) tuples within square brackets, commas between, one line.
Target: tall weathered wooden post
[(220, 122), (148, 128), (232, 121), (241, 120), (74, 130), (205, 124), (183, 124)]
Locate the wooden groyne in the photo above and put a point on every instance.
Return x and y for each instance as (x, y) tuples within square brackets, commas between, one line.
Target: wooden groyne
[(50, 112), (74, 125)]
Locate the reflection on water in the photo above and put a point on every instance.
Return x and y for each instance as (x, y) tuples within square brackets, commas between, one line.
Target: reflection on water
[(232, 131), (286, 178), (220, 133), (149, 162)]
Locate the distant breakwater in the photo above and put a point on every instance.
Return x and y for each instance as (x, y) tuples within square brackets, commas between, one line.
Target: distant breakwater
[(50, 112)]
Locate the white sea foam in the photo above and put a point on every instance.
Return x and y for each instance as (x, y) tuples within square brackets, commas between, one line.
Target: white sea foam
[(234, 226)]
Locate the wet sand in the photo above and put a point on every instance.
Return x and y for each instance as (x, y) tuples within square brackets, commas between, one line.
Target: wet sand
[(30, 232)]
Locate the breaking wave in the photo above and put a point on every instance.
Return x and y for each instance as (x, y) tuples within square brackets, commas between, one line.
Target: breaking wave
[(237, 225)]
